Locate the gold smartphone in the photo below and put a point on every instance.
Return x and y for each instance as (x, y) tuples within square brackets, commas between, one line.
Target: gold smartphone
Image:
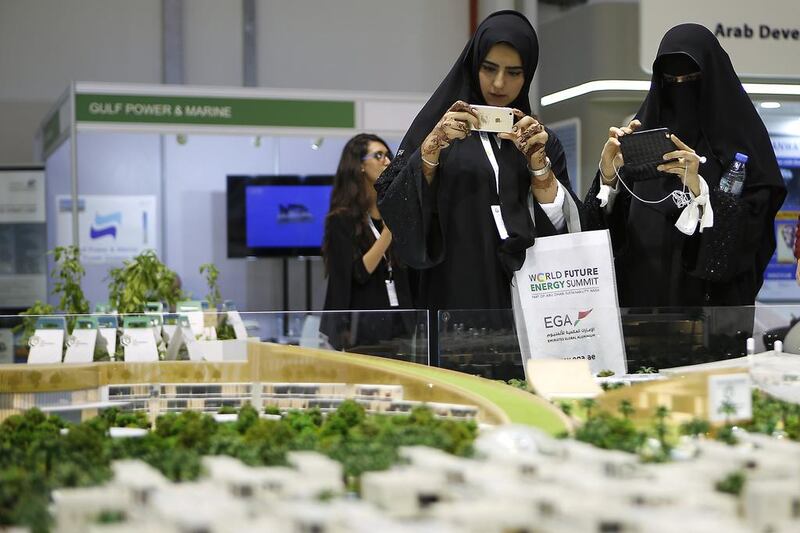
[(494, 119)]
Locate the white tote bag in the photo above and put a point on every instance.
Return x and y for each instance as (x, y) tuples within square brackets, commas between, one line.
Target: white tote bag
[(565, 302)]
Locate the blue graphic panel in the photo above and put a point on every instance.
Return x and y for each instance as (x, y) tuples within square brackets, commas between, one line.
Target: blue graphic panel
[(286, 216), (779, 277)]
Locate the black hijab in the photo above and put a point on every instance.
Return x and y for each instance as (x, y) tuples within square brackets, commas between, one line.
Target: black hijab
[(462, 83), (715, 107)]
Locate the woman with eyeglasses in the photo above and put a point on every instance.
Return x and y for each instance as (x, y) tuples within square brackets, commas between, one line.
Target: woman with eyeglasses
[(678, 238), (464, 205), (362, 270)]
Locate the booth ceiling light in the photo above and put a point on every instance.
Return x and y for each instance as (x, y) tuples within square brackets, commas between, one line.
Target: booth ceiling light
[(770, 105), (317, 143), (593, 87), (642, 85)]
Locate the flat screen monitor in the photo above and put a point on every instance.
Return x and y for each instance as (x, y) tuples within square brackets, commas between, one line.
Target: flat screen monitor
[(277, 216)]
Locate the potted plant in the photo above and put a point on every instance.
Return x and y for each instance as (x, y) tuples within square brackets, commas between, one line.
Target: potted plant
[(140, 280), (225, 346), (67, 275)]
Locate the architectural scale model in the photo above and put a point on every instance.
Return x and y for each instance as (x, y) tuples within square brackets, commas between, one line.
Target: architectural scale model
[(546, 486), (285, 377)]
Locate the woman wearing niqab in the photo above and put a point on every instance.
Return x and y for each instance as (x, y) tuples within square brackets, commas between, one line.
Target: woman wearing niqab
[(438, 194), (713, 251)]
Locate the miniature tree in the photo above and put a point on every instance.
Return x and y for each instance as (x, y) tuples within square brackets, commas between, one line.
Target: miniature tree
[(38, 457), (214, 298), (611, 433), (727, 408), (695, 427), (725, 434), (626, 409), (608, 386), (733, 483), (211, 272), (518, 383), (588, 404), (660, 425)]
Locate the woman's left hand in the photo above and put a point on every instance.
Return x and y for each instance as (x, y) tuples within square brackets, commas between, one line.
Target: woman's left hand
[(529, 137), (684, 163)]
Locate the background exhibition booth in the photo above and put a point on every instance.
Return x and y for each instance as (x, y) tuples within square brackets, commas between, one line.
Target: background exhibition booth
[(135, 167)]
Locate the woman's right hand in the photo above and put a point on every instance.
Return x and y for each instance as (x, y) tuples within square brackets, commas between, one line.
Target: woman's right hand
[(611, 151), (456, 123)]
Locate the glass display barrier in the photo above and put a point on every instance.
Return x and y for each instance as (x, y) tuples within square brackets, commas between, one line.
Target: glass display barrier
[(201, 335), (478, 342), (198, 359), (485, 342)]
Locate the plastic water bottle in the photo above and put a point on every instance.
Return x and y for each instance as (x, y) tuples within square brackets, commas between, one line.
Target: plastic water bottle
[(733, 179)]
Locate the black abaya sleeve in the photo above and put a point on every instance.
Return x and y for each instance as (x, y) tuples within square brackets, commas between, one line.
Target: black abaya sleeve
[(512, 251), (742, 239), (596, 216), (409, 208)]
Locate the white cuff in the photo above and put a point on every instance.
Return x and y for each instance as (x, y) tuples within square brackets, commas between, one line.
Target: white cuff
[(690, 216), (607, 195), (555, 210)]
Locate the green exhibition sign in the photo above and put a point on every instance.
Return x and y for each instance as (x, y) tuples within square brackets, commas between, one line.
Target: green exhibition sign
[(127, 108)]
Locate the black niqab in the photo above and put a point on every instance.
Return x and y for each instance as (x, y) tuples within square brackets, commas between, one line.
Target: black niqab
[(723, 111), (680, 101)]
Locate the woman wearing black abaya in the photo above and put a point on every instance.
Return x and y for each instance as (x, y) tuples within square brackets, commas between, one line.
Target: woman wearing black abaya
[(439, 193), (714, 250)]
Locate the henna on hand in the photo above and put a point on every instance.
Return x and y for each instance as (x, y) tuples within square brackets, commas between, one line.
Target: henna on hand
[(458, 125), (459, 106), (524, 141), (435, 141), (439, 138), (545, 183)]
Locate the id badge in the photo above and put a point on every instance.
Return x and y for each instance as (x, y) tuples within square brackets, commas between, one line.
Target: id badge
[(392, 293), (498, 221)]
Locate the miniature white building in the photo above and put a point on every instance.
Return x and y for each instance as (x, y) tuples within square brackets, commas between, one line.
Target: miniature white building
[(772, 505), (524, 482)]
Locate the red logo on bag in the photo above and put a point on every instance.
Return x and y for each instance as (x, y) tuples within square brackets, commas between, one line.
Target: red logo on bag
[(582, 315)]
